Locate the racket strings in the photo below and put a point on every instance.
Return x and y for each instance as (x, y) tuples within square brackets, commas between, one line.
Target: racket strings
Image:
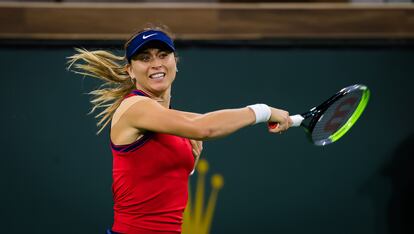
[(335, 116)]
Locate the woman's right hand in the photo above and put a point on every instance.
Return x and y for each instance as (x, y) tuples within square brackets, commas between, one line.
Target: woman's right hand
[(280, 119)]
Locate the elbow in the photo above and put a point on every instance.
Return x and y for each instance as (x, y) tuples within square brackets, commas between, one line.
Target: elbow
[(205, 133)]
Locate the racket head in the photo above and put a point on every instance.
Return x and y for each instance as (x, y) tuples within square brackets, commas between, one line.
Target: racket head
[(330, 121)]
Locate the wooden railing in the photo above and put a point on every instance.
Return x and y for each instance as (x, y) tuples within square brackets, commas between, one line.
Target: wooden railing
[(207, 21)]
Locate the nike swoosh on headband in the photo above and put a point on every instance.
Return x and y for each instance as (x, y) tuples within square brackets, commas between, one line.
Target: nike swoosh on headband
[(146, 36)]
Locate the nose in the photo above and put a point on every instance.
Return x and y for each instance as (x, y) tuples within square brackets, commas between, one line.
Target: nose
[(156, 63)]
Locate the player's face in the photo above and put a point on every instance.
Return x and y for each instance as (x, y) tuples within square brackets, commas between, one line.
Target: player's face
[(154, 69)]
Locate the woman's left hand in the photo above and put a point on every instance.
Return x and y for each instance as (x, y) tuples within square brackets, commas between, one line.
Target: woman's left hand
[(197, 149)]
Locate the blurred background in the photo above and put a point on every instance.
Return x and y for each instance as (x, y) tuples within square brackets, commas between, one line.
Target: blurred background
[(56, 172)]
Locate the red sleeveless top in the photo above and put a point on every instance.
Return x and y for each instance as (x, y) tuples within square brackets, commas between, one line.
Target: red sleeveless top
[(150, 183)]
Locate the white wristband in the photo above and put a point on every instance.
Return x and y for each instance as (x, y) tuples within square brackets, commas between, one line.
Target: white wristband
[(262, 112)]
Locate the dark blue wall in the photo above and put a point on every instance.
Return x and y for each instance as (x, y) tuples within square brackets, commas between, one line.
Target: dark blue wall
[(56, 173)]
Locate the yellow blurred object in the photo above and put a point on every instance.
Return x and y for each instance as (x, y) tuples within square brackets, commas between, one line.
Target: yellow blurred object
[(197, 218)]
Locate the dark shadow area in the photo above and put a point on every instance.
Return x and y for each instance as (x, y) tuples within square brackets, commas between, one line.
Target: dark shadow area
[(400, 171)]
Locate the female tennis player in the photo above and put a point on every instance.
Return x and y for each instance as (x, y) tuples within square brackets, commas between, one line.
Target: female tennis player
[(154, 147)]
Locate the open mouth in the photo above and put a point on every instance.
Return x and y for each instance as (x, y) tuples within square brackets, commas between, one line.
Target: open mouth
[(157, 76)]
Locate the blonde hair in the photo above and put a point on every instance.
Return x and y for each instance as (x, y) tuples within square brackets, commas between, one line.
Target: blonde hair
[(110, 69)]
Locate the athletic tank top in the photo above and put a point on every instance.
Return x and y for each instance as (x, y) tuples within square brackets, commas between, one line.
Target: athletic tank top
[(150, 183)]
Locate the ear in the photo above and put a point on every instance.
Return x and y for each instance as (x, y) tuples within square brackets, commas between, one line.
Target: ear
[(176, 63), (129, 70)]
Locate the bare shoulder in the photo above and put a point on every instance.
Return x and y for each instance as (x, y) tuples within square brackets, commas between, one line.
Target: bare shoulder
[(125, 105), (121, 132)]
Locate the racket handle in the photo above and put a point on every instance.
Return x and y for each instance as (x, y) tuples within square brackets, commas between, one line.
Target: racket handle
[(296, 119)]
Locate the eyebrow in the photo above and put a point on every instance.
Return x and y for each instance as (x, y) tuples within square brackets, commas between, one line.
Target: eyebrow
[(158, 50), (147, 52)]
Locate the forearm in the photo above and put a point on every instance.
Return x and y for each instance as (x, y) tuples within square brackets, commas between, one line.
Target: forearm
[(224, 122), (150, 116)]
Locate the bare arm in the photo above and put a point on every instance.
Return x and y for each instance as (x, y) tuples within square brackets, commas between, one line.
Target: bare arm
[(191, 114), (149, 115), (197, 145)]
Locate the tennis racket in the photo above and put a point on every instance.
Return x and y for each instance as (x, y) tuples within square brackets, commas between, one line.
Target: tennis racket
[(328, 122)]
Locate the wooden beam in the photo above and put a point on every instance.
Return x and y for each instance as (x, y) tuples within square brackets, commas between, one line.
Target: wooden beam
[(207, 21)]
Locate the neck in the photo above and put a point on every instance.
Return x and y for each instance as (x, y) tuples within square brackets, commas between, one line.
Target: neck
[(162, 98)]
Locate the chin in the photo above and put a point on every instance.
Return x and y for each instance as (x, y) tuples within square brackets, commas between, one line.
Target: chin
[(161, 87)]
